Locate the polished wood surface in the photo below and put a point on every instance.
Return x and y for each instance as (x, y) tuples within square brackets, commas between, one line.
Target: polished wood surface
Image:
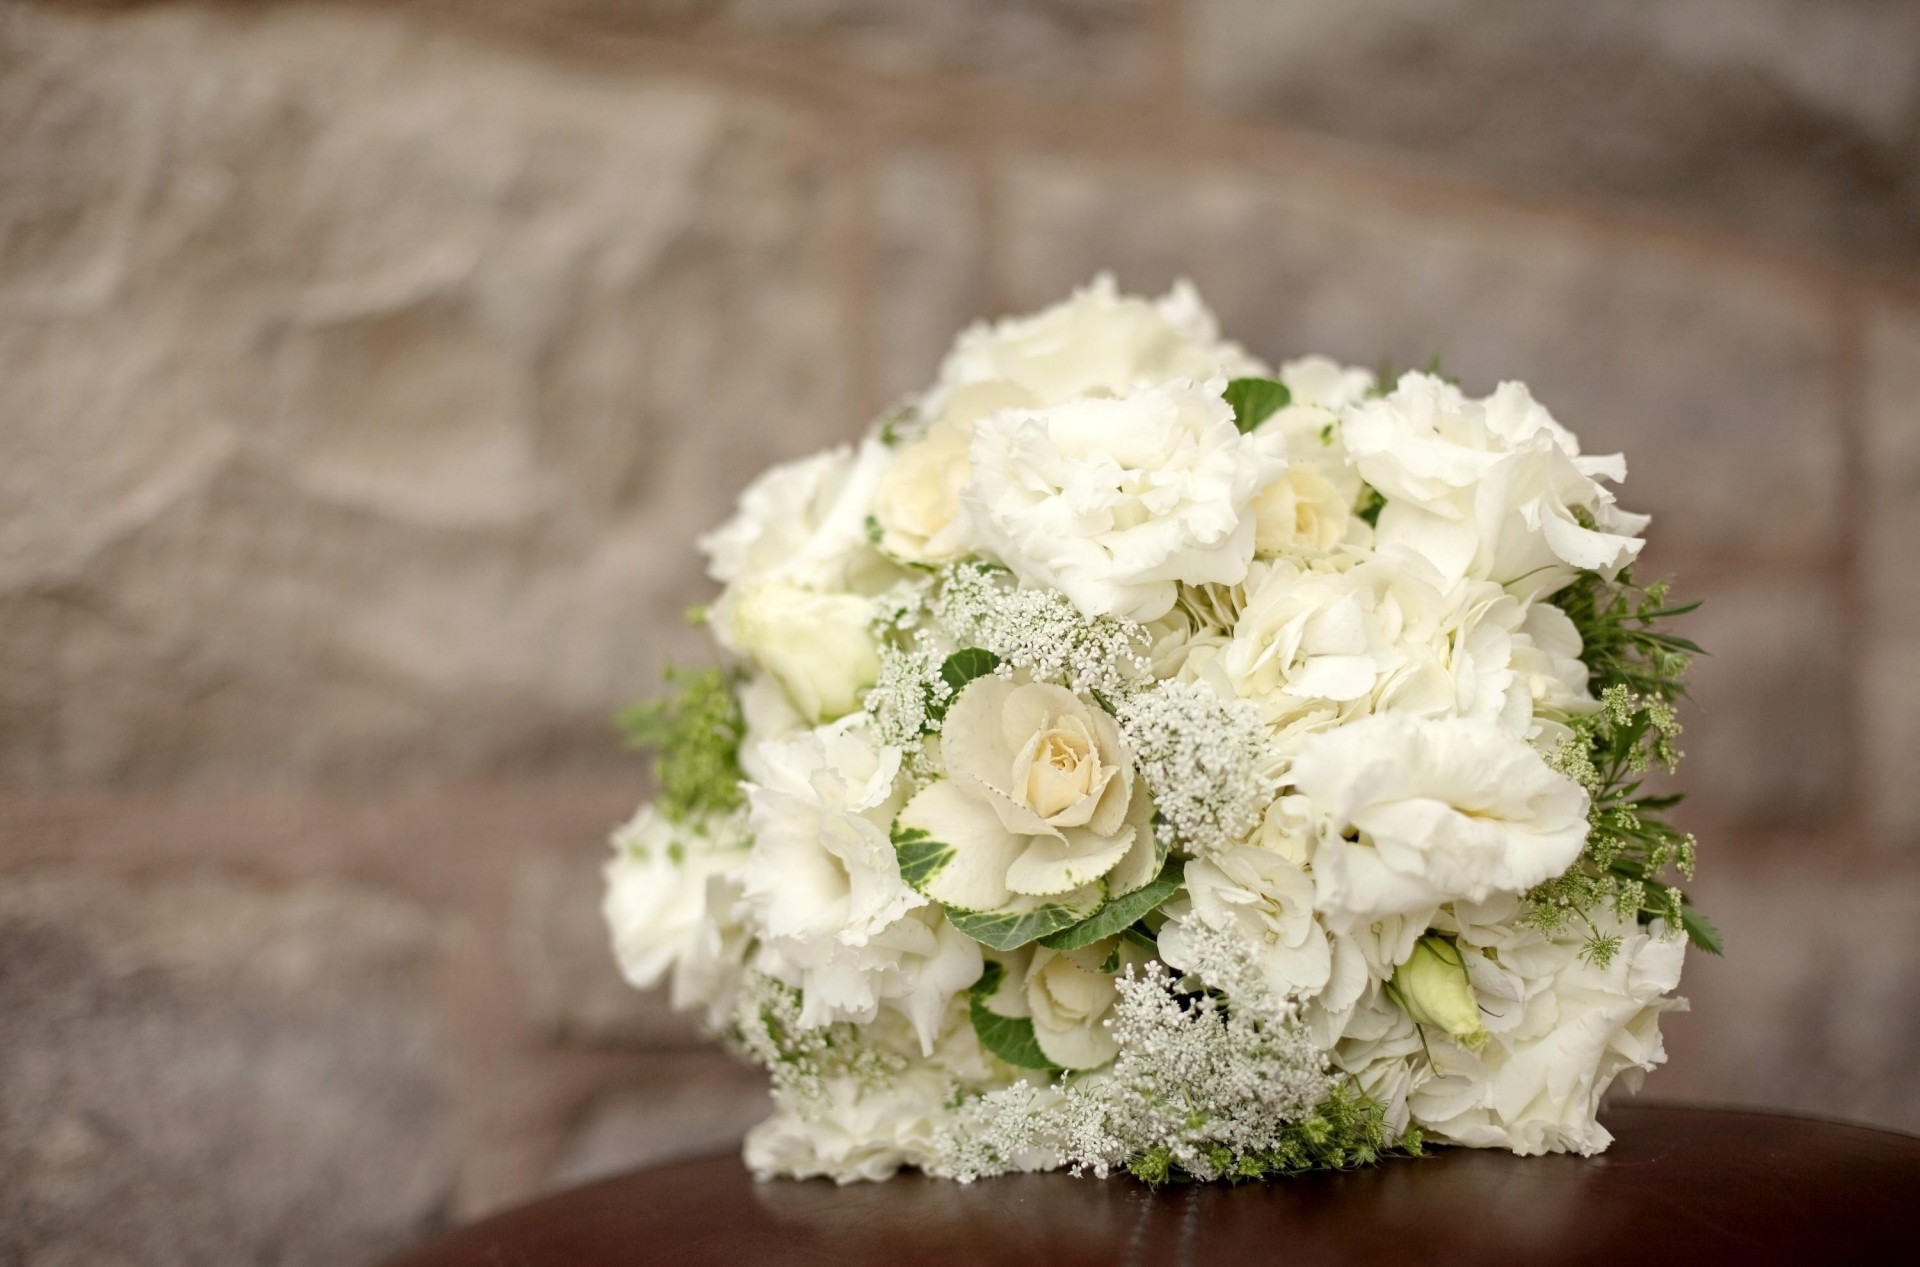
[(1693, 1186)]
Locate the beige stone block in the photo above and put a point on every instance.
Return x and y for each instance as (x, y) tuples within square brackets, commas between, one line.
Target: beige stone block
[(366, 389), (1766, 740), (206, 1071), (929, 276), (1812, 1008), (1778, 116)]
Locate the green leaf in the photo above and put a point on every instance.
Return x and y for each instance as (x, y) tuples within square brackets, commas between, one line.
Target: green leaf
[(1119, 914), (967, 664), (1254, 400), (1009, 1037), (1701, 932), (1012, 929), (991, 974), (921, 856)]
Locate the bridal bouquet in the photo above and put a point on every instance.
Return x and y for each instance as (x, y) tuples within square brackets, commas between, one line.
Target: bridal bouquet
[(1133, 758)]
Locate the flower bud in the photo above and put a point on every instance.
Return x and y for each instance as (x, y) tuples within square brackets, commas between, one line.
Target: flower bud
[(816, 645), (1432, 987)]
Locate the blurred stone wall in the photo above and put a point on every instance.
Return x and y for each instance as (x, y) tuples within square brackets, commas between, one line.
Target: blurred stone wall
[(366, 372)]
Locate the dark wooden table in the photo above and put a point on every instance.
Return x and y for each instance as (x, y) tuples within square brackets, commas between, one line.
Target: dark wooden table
[(1693, 1186)]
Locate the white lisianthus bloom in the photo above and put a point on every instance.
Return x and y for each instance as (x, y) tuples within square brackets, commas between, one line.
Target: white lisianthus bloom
[(805, 523), (1266, 902), (1316, 644), (1115, 501), (817, 646), (822, 871), (914, 966), (1041, 802), (1414, 812), (672, 890), (1099, 342), (1494, 488), (853, 1130), (1560, 1029)]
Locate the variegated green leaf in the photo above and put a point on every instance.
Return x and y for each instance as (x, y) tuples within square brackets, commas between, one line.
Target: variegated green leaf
[(921, 856), (1117, 915), (1013, 927)]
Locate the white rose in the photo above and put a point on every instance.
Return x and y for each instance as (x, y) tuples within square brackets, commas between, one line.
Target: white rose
[(1267, 903), (1040, 803), (817, 646), (1415, 812), (1322, 383), (1490, 488), (671, 893), (1069, 997), (1099, 342), (1115, 501), (1560, 1030)]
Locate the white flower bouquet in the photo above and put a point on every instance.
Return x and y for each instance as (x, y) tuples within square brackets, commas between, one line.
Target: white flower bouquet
[(1135, 759)]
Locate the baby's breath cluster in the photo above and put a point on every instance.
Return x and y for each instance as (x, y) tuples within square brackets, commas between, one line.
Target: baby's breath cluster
[(1133, 758)]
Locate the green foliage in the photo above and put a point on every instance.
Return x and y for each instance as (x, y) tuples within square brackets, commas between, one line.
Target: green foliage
[(1013, 928), (1346, 1130), (921, 856), (967, 664), (1371, 503), (695, 736), (1118, 914), (1009, 1037), (1255, 400), (1625, 641), (1632, 852)]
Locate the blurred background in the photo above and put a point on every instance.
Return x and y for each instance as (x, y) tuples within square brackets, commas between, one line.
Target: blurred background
[(367, 371)]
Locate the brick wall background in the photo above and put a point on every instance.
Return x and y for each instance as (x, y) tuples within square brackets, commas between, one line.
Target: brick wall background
[(366, 372)]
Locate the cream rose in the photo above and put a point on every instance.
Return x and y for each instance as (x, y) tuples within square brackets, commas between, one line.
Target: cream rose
[(1040, 802), (817, 646), (1302, 514), (1069, 996)]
